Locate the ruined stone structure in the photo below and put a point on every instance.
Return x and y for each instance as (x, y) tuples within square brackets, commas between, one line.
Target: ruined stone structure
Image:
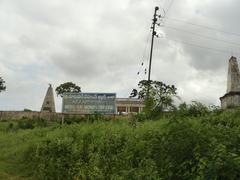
[(232, 97), (48, 103)]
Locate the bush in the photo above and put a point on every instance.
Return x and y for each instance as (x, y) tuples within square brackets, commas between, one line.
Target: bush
[(25, 123), (195, 109), (177, 147), (86, 118)]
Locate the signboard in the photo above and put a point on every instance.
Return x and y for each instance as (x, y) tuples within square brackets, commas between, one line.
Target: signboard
[(89, 103)]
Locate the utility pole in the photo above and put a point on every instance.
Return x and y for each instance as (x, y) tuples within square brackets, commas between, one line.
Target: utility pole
[(154, 33)]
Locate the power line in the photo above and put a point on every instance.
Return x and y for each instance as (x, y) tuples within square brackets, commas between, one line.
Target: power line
[(200, 46), (144, 53), (203, 36), (203, 26), (170, 5), (164, 4)]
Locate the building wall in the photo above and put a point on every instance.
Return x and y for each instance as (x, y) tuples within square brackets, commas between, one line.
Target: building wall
[(129, 105)]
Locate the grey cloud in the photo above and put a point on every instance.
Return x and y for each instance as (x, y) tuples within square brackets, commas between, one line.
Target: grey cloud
[(100, 44), (82, 62), (206, 13)]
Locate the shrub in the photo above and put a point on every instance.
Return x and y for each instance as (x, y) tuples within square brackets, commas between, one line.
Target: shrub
[(203, 146), (195, 109), (25, 123)]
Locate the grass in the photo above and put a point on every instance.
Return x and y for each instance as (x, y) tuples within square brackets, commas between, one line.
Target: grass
[(15, 142), (178, 146)]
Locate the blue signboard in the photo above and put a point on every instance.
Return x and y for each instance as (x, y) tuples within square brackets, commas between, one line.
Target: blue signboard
[(89, 103)]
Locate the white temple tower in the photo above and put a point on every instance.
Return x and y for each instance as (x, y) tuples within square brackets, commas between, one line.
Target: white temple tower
[(48, 103), (232, 97)]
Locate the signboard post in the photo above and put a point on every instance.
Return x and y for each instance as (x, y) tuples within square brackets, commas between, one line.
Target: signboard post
[(89, 103)]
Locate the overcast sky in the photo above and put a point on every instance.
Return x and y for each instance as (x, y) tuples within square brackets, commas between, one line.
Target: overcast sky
[(100, 46)]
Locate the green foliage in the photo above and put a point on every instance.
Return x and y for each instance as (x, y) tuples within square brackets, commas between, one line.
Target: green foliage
[(67, 87), (2, 84), (71, 119), (25, 123), (195, 144), (140, 117), (27, 110), (195, 109), (160, 97), (149, 106)]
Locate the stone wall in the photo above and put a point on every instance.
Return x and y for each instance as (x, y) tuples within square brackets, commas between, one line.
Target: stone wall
[(31, 115), (230, 100), (11, 115)]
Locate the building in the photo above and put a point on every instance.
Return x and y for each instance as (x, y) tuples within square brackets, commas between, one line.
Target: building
[(129, 105), (232, 97)]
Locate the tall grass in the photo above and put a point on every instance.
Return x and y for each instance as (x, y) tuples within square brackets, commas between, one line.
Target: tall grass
[(177, 146)]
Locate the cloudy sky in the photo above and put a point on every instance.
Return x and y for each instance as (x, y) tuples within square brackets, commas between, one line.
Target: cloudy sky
[(100, 46)]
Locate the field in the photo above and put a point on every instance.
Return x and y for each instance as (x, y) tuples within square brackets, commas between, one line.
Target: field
[(179, 145)]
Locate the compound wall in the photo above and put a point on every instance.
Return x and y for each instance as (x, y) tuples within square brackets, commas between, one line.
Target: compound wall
[(32, 115)]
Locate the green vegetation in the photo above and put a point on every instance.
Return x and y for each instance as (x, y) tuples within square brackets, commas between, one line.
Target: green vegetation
[(195, 142), (159, 97), (67, 87), (2, 84)]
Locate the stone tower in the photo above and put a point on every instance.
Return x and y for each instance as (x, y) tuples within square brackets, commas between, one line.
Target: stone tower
[(232, 97), (48, 103)]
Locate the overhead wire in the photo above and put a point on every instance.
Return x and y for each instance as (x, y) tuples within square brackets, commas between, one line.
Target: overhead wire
[(143, 59), (202, 36), (203, 26), (189, 32), (169, 6), (200, 46)]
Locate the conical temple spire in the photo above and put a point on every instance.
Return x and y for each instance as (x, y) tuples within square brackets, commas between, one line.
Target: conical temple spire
[(233, 81), (48, 103)]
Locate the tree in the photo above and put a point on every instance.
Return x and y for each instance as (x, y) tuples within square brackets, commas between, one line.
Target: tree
[(134, 93), (160, 98), (67, 87), (2, 85)]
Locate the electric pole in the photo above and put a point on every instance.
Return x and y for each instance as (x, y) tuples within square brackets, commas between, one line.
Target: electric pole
[(154, 33)]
